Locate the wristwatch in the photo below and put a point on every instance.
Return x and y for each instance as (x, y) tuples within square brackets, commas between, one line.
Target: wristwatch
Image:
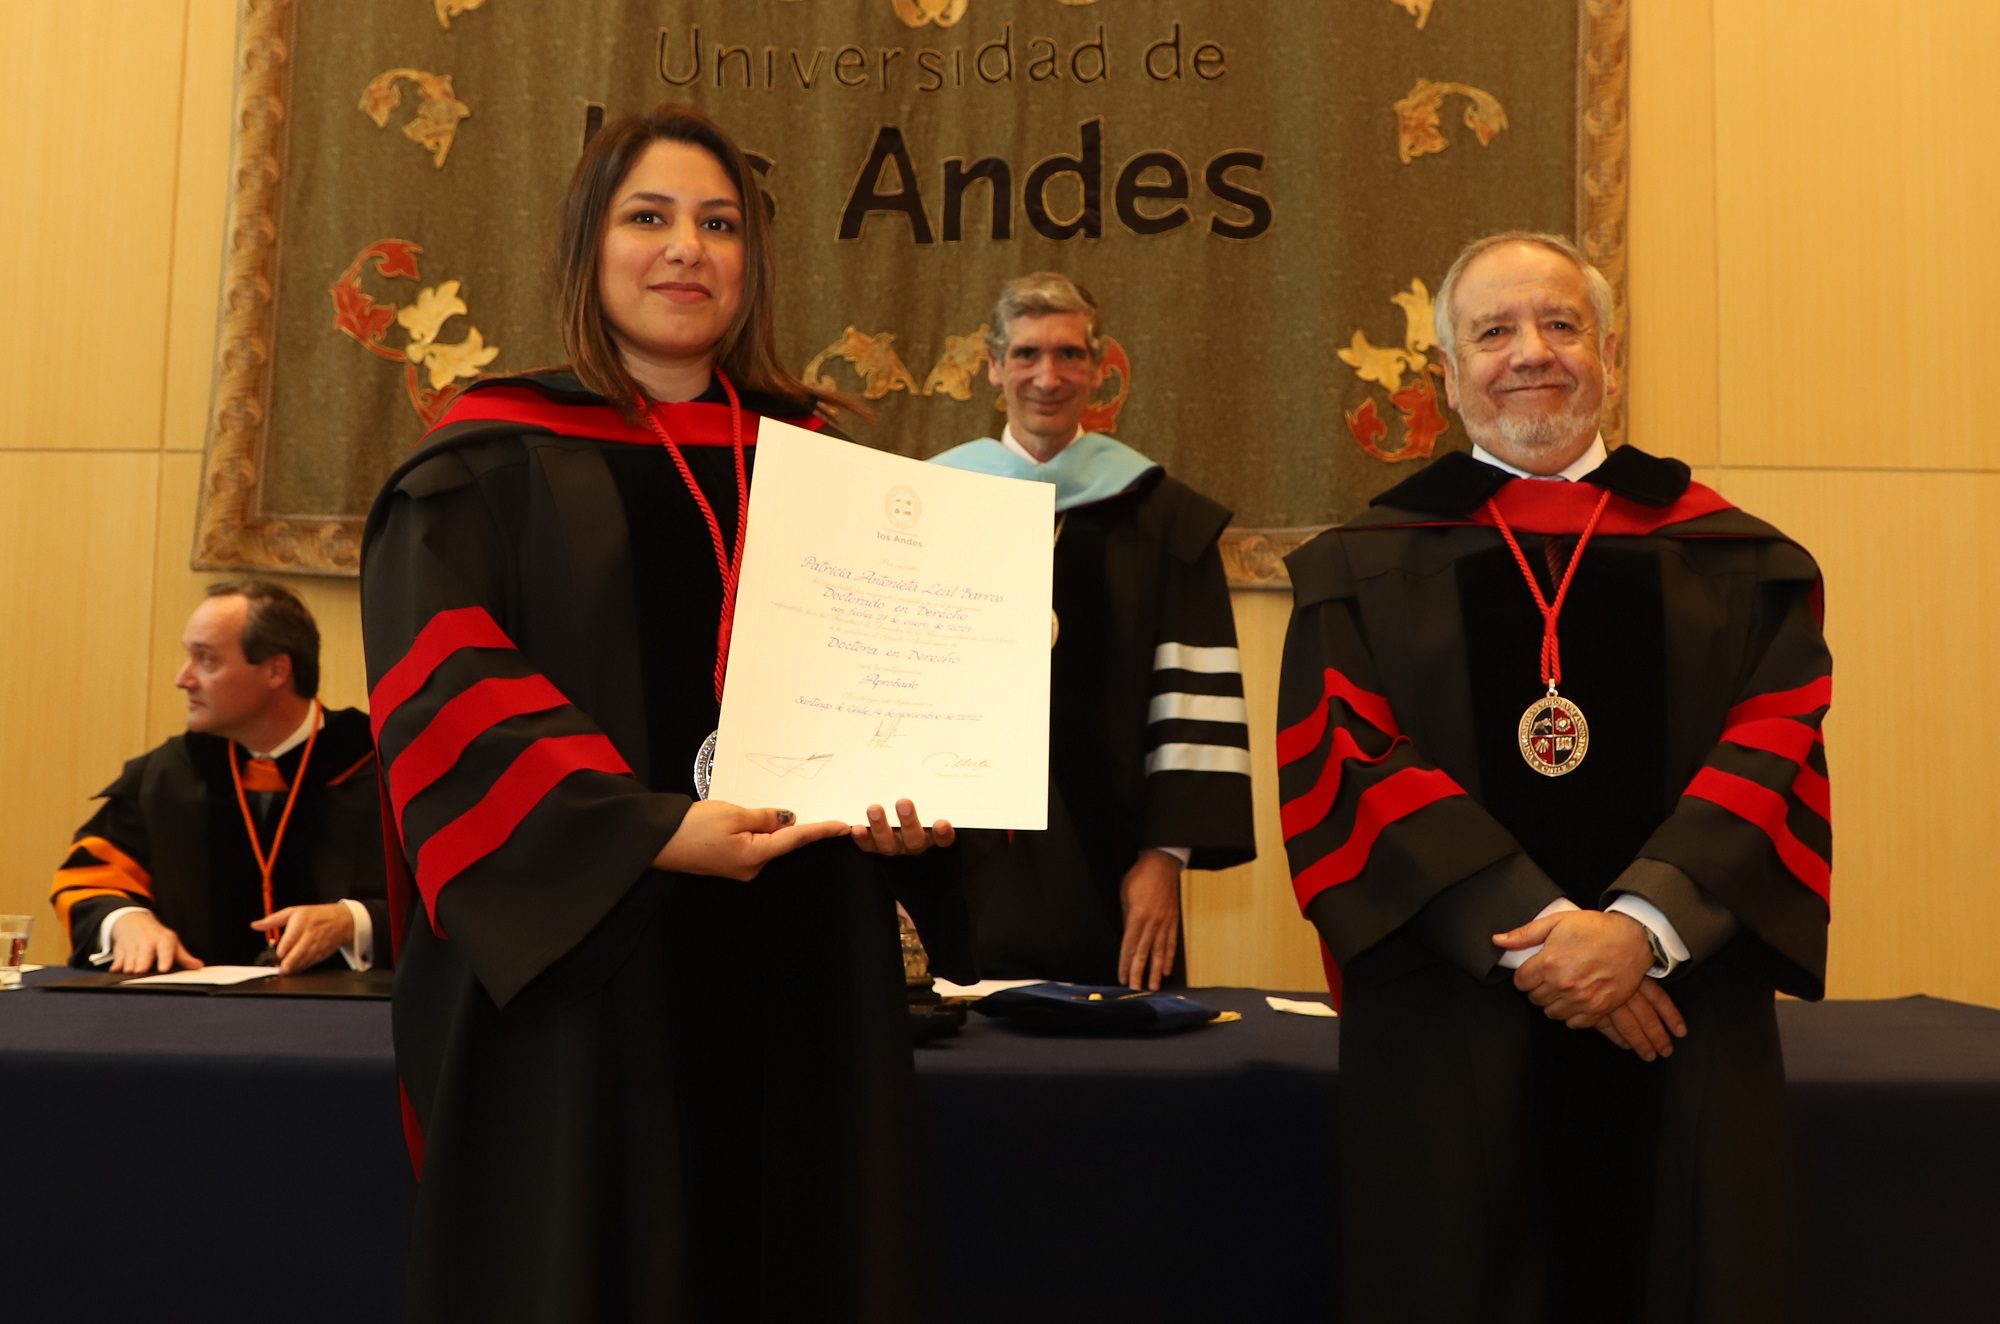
[(1662, 963)]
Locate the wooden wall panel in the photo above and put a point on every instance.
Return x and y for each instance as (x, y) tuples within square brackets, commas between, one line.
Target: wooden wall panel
[(76, 537), (201, 203), (1913, 618), (336, 605), (1855, 232), (87, 233), (1671, 364), (1243, 926)]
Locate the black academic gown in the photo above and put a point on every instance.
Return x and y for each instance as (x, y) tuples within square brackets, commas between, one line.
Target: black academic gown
[(1497, 1166), (637, 1095), (1140, 593), (170, 836)]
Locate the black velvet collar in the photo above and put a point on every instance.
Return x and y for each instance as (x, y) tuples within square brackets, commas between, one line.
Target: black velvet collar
[(1456, 484)]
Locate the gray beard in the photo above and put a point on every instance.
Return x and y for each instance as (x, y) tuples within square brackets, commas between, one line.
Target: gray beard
[(1522, 439)]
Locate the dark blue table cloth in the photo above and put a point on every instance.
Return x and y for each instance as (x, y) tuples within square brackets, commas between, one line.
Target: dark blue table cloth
[(241, 1159)]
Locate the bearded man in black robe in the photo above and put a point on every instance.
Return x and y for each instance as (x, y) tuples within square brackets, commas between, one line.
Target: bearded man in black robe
[(1555, 797)]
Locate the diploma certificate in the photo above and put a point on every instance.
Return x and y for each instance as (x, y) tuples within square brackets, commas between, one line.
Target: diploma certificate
[(891, 639)]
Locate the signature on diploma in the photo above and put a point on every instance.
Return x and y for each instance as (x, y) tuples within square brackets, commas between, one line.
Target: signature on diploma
[(791, 765), (885, 733), (950, 763)]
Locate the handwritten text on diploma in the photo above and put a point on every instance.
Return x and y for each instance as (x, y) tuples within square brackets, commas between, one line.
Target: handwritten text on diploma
[(891, 612), (891, 638)]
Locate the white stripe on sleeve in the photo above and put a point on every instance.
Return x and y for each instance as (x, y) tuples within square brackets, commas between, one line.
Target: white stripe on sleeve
[(1185, 657), (1197, 708), (1198, 758)]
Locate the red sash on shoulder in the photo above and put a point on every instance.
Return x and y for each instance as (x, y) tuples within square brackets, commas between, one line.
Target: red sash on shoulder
[(693, 423)]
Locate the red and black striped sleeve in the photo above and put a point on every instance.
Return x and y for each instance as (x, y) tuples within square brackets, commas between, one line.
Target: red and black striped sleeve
[(1377, 834), (1753, 829), (521, 823)]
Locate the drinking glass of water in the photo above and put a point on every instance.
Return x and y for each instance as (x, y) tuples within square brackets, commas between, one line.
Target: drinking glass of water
[(14, 931)]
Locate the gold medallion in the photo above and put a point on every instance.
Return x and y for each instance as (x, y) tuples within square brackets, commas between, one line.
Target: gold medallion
[(1554, 737)]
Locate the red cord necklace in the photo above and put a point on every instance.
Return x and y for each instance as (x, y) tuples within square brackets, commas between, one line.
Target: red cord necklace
[(728, 564), (1553, 734)]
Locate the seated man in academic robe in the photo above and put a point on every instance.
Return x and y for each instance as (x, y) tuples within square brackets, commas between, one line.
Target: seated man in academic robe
[(1554, 795), (1149, 760), (255, 837)]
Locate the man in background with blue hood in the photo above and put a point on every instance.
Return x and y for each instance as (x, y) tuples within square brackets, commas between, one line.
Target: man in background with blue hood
[(1149, 759)]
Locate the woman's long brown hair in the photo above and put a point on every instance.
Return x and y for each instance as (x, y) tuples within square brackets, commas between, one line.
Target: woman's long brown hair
[(748, 349)]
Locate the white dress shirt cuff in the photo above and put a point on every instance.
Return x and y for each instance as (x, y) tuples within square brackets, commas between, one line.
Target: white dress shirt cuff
[(1514, 960), (102, 956), (1181, 853), (360, 953), (1652, 917)]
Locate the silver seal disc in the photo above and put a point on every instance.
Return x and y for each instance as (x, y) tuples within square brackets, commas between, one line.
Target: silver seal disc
[(704, 765)]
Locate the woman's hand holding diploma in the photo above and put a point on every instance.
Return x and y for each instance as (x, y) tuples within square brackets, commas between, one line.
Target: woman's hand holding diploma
[(730, 841), (724, 840), (908, 837)]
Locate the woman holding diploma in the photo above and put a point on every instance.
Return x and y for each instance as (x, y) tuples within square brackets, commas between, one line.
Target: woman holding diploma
[(653, 1047)]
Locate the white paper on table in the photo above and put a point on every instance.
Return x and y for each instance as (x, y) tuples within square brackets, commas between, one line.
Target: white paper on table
[(211, 974), (1296, 1007), (891, 639), (944, 988)]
